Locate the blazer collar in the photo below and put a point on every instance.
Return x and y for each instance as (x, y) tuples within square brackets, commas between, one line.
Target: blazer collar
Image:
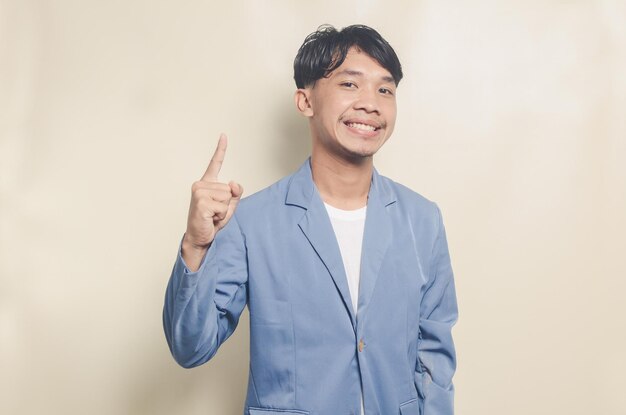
[(301, 188), (316, 226)]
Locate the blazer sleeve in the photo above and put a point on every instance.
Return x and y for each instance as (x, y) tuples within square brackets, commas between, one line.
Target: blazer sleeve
[(202, 308), (438, 313)]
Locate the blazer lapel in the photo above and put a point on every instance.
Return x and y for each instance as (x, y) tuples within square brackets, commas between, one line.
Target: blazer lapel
[(377, 237), (316, 226)]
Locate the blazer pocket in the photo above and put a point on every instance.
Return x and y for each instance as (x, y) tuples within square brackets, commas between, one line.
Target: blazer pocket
[(411, 407), (263, 411)]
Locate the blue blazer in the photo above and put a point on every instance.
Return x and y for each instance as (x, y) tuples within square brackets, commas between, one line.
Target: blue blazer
[(309, 352)]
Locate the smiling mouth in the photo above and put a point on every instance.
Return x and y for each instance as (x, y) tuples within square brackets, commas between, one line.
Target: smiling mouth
[(361, 126)]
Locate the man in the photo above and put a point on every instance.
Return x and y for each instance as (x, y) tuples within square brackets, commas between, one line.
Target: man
[(346, 274)]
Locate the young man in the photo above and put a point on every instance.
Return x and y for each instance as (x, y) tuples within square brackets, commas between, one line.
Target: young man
[(346, 273)]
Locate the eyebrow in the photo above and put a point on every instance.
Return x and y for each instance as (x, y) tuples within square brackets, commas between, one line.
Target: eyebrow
[(352, 72)]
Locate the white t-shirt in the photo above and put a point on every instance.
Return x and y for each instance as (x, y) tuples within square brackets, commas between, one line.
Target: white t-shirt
[(349, 226)]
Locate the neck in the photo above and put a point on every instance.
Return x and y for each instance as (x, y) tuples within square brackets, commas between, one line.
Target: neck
[(342, 184)]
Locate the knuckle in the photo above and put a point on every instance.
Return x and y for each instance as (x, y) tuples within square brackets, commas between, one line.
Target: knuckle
[(196, 186), (201, 206)]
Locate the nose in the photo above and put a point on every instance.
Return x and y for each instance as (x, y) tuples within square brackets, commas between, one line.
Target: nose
[(368, 101)]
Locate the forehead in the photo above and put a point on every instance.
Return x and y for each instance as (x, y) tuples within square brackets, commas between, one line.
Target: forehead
[(358, 63)]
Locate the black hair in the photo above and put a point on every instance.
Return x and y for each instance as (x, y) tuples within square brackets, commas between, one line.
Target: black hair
[(324, 50)]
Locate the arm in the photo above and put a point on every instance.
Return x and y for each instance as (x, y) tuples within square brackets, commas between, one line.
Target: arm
[(438, 313), (206, 292), (202, 308)]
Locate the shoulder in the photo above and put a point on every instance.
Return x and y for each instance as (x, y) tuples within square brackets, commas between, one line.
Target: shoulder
[(410, 201), (272, 194), (411, 210), (269, 197)]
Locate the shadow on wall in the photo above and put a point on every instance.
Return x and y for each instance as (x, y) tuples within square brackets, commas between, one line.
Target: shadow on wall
[(293, 145)]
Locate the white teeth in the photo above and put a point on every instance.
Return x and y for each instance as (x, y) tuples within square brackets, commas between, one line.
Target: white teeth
[(360, 126)]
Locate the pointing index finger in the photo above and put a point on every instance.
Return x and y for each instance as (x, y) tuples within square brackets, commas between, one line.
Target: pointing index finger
[(211, 173)]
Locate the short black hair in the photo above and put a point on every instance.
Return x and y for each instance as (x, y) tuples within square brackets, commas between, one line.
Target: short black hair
[(324, 50)]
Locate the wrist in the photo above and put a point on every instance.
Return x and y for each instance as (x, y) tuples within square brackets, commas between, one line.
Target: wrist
[(192, 254), (189, 245)]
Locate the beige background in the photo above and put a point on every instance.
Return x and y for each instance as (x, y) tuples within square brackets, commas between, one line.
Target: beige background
[(511, 116)]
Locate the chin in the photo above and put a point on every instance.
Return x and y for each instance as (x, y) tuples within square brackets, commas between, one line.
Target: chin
[(363, 151), (359, 154)]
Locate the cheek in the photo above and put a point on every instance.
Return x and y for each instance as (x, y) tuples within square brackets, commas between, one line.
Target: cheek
[(391, 116), (332, 116)]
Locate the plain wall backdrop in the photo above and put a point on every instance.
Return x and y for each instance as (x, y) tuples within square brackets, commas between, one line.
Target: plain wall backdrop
[(512, 117)]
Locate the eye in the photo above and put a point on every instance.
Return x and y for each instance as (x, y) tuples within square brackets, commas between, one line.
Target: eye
[(385, 91), (348, 84)]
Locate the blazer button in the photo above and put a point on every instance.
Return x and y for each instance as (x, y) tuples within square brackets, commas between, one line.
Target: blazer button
[(361, 345)]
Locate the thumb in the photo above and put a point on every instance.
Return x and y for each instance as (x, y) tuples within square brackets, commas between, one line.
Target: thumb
[(236, 190)]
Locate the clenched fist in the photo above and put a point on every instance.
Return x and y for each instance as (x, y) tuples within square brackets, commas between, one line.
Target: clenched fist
[(211, 207)]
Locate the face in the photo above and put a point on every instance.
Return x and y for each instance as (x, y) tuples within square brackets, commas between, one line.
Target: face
[(353, 111)]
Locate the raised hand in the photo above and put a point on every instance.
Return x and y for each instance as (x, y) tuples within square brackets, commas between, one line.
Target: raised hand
[(212, 205)]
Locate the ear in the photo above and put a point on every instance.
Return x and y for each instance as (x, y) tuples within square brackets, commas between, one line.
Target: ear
[(303, 101)]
